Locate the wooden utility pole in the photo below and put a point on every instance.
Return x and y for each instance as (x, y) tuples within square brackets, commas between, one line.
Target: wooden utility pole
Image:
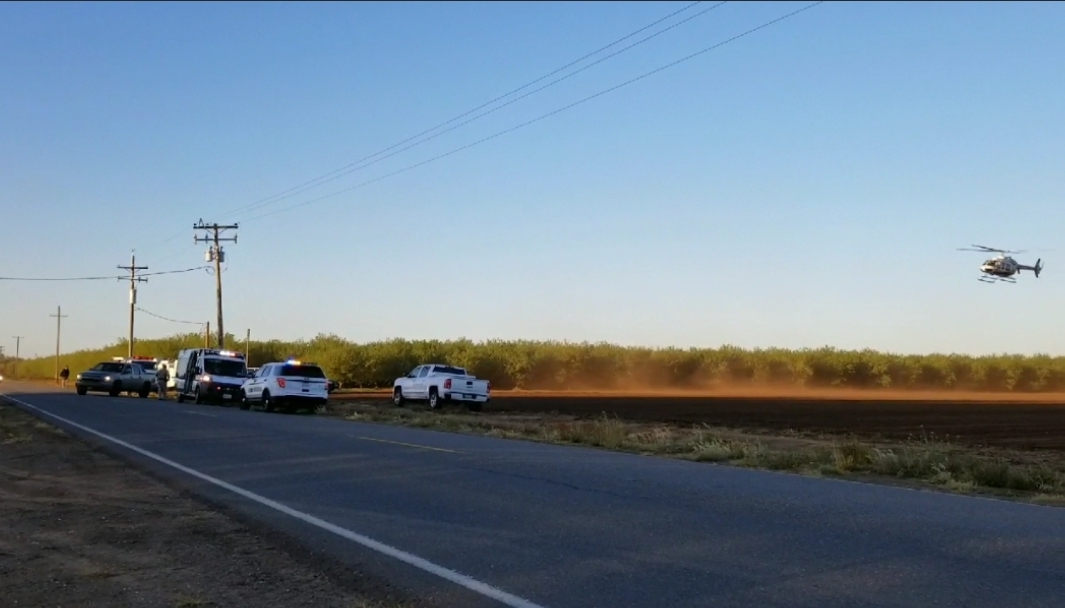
[(247, 345), (207, 335), (18, 343), (217, 255), (133, 280), (58, 330)]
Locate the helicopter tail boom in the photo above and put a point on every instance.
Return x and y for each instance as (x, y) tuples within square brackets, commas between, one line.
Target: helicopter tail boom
[(1035, 269)]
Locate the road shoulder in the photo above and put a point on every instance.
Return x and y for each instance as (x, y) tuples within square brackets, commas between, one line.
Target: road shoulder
[(84, 528)]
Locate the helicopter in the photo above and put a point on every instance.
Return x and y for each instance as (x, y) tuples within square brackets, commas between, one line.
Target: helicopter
[(1002, 267)]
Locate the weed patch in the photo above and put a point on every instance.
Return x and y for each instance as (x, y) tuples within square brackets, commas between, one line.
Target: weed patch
[(923, 459)]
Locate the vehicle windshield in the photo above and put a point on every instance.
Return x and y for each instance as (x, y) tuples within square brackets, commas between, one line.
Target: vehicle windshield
[(225, 367), (115, 368), (302, 371), (447, 369), (148, 366)]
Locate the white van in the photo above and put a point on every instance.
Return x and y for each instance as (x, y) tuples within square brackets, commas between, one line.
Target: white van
[(209, 375)]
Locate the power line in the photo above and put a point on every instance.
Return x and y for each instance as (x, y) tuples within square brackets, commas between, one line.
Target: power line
[(449, 121), (152, 314), (351, 168), (65, 279), (539, 118), (152, 274), (107, 278)]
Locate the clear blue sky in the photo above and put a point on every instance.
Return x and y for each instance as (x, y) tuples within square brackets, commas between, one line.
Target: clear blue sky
[(805, 185)]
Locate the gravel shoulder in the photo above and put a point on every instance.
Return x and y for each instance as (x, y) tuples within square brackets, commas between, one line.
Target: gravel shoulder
[(82, 528)]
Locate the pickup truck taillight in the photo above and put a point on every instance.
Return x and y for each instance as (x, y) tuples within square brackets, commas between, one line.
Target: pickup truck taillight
[(487, 387), (447, 383), (281, 382)]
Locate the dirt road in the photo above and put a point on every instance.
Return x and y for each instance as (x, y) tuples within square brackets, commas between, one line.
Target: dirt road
[(84, 529)]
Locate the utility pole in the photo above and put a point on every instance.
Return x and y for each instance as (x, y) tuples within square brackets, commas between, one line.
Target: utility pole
[(207, 336), (247, 345), (217, 255), (58, 329), (18, 343), (133, 280)]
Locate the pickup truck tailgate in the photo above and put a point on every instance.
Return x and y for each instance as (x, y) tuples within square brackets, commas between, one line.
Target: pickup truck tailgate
[(467, 386)]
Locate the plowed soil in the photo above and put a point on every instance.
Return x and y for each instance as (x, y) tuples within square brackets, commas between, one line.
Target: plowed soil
[(1025, 422)]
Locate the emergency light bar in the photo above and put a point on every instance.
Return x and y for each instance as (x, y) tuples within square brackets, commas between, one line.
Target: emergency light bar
[(224, 353)]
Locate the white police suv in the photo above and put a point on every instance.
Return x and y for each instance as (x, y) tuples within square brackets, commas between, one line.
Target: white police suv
[(288, 385)]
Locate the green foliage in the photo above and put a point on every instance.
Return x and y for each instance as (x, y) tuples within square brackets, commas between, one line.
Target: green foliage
[(563, 365)]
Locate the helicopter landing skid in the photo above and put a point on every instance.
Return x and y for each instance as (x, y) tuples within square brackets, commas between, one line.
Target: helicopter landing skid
[(987, 279)]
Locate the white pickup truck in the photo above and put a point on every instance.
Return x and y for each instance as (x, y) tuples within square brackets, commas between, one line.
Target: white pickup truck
[(438, 383)]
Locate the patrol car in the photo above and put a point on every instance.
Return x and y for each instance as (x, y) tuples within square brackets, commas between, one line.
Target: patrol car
[(289, 385)]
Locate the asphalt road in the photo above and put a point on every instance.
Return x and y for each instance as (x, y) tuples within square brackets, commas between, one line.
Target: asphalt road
[(460, 519)]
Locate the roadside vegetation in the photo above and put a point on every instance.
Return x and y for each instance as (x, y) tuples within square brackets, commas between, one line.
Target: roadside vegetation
[(922, 461), (564, 366)]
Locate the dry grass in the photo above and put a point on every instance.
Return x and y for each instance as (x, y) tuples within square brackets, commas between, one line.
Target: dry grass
[(926, 461)]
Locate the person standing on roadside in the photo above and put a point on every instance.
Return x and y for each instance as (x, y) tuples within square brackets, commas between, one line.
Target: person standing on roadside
[(64, 375), (162, 376)]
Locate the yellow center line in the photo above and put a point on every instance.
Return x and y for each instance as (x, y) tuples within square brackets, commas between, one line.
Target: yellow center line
[(410, 445)]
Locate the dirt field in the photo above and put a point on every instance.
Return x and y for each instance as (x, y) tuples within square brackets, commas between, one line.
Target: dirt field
[(81, 528), (1025, 422)]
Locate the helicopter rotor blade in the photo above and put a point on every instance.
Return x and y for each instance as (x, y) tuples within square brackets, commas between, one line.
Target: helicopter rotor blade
[(991, 249)]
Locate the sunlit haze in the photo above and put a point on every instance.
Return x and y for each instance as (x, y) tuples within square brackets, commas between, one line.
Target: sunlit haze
[(807, 184)]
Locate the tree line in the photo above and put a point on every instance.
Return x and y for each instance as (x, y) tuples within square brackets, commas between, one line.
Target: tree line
[(548, 365)]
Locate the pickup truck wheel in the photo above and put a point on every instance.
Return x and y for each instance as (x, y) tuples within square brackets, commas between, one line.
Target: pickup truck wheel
[(397, 397), (116, 389), (82, 390), (434, 399), (145, 390)]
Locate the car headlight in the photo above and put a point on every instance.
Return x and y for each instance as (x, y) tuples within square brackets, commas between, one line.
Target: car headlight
[(78, 377), (107, 378), (205, 378)]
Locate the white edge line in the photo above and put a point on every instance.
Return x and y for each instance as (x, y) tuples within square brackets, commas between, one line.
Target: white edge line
[(408, 558)]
